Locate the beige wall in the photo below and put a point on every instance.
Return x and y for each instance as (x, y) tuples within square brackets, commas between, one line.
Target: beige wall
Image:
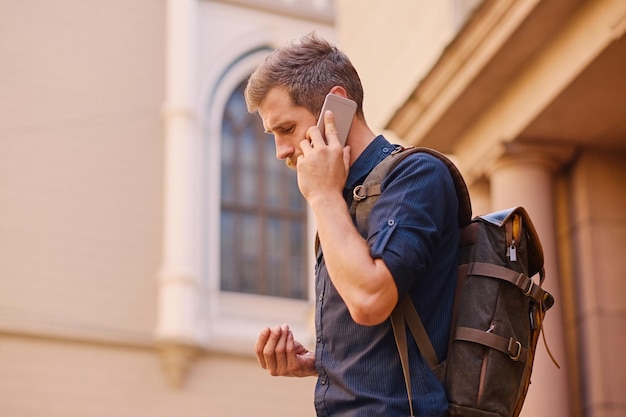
[(80, 166)]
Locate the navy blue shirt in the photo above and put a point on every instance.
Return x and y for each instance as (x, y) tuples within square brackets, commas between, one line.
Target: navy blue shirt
[(413, 228)]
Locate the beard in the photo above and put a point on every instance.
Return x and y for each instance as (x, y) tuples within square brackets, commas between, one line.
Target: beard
[(291, 161)]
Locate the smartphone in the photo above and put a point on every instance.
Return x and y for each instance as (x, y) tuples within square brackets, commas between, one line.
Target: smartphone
[(343, 109)]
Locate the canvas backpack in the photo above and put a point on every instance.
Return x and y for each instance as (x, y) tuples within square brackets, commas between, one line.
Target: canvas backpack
[(498, 309)]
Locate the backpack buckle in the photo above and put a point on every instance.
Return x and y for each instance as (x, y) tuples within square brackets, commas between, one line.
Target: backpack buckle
[(399, 149), (530, 288), (518, 346), (356, 193)]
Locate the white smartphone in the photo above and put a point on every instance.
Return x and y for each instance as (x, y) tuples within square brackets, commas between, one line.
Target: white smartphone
[(343, 109)]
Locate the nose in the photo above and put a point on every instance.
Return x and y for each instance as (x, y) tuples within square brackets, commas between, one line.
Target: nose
[(284, 149)]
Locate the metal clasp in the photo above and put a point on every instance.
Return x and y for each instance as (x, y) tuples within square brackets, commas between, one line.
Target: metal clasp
[(355, 193), (517, 355), (530, 287)]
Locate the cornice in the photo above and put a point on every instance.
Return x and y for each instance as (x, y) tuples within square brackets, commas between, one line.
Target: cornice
[(498, 40)]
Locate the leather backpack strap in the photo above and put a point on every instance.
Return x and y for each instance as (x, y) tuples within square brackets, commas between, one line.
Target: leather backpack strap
[(399, 333), (419, 334), (405, 314)]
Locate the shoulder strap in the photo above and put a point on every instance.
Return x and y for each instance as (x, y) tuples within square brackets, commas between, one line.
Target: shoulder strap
[(366, 194), (403, 315)]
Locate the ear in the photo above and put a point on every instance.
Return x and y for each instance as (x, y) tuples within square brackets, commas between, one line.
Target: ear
[(340, 91)]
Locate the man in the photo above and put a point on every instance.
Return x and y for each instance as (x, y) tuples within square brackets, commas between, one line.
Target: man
[(411, 243)]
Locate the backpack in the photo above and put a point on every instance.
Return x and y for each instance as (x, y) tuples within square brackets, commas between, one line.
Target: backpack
[(498, 308)]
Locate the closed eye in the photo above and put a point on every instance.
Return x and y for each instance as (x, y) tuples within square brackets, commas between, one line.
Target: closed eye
[(287, 130)]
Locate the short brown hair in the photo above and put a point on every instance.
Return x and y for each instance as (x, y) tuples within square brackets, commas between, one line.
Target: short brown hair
[(308, 68)]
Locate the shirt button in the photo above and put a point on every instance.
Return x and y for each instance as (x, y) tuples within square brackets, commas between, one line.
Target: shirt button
[(324, 380), (321, 297)]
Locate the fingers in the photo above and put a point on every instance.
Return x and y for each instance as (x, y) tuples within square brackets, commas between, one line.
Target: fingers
[(314, 136), (275, 350), (280, 352), (329, 127), (290, 353), (260, 344), (346, 158)]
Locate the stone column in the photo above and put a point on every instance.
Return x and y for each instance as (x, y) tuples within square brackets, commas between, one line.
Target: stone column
[(480, 195), (178, 332), (523, 176)]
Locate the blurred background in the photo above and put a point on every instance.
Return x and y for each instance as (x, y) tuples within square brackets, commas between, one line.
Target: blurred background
[(147, 232)]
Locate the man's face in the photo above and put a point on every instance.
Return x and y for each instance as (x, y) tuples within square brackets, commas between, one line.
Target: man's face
[(287, 122)]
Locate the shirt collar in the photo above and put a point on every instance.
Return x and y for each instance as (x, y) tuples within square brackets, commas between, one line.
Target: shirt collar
[(375, 152)]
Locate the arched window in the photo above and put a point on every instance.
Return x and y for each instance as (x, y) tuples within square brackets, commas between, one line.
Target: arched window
[(263, 215)]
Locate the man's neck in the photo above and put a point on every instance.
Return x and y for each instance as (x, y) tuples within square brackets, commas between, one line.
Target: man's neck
[(360, 137)]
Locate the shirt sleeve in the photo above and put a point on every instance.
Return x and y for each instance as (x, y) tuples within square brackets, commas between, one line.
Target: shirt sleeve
[(416, 207)]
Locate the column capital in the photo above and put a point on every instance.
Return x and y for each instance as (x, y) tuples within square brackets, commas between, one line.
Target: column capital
[(549, 155)]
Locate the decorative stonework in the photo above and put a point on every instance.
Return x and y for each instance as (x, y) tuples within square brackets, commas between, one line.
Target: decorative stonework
[(177, 359), (552, 156)]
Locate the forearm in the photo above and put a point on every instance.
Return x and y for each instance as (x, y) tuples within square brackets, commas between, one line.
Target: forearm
[(365, 284)]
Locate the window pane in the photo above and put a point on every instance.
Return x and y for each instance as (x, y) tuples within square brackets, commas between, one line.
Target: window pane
[(249, 167), (228, 162), (250, 253), (296, 262), (275, 254), (228, 259), (274, 170), (296, 201)]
